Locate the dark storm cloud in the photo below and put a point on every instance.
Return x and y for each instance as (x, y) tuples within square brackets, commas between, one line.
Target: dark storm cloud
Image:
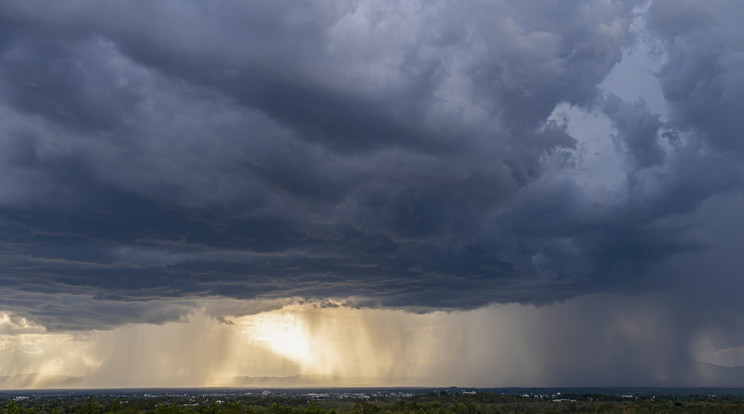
[(702, 79), (638, 130), (153, 153)]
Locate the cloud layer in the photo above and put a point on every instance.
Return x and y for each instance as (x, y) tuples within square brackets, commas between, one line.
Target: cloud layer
[(402, 154)]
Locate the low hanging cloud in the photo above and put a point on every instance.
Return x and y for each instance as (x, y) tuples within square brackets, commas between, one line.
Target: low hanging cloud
[(397, 154)]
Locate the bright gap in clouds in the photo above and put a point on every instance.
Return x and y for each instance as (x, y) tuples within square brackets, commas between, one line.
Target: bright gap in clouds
[(600, 164), (283, 333), (634, 77), (365, 345)]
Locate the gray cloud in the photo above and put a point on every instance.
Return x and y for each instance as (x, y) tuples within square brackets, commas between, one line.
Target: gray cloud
[(638, 130), (702, 80), (154, 154)]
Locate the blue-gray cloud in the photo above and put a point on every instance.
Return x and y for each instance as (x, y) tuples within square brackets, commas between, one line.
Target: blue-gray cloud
[(401, 156)]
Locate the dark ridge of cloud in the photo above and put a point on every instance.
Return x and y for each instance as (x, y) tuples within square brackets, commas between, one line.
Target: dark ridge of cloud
[(155, 154), (638, 130), (222, 320), (68, 85)]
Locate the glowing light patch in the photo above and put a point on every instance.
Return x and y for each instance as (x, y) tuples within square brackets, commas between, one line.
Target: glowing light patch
[(282, 333)]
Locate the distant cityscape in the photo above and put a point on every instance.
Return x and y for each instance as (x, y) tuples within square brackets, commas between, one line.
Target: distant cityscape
[(195, 394)]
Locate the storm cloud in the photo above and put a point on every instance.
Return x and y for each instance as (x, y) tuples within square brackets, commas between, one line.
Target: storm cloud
[(395, 154)]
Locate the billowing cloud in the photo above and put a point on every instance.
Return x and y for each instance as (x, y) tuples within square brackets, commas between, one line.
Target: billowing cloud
[(395, 154)]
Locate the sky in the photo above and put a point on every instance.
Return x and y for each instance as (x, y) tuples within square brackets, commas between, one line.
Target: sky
[(394, 192)]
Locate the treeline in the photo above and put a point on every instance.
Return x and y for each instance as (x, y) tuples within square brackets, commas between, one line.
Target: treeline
[(430, 404)]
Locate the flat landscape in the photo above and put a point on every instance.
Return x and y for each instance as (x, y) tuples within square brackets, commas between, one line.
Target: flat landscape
[(377, 401)]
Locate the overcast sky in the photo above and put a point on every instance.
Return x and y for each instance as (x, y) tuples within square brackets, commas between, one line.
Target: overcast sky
[(575, 164)]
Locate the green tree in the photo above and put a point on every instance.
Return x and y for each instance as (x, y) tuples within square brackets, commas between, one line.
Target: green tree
[(465, 407), (12, 408), (277, 408), (115, 406), (232, 407), (208, 409), (165, 408), (364, 407), (90, 406)]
